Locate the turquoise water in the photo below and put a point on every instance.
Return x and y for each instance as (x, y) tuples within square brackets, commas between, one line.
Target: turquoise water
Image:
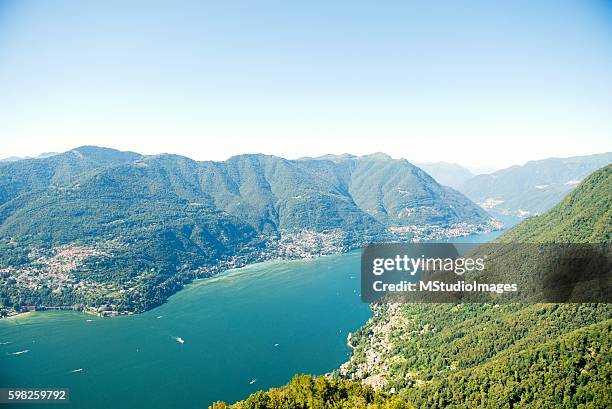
[(230, 325)]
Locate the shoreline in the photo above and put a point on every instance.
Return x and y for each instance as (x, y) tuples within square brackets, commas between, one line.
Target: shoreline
[(17, 315), (224, 266)]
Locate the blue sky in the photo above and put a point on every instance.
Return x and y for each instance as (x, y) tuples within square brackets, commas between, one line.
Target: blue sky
[(477, 83)]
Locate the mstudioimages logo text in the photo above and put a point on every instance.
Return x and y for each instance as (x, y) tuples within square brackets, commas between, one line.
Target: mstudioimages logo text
[(428, 272), (429, 267)]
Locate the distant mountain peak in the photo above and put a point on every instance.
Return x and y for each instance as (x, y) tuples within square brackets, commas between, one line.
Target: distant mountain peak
[(249, 156), (534, 187), (11, 159), (43, 155), (583, 216), (448, 174), (330, 157), (89, 150), (378, 156)]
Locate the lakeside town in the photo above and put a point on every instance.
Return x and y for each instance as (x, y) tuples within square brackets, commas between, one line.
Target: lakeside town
[(55, 270)]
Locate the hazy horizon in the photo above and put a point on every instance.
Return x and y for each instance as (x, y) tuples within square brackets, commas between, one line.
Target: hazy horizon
[(479, 84), (476, 170)]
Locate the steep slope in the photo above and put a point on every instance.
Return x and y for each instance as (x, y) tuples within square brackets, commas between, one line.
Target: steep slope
[(32, 174), (487, 355), (333, 192), (447, 174), (572, 370), (394, 192), (278, 194), (98, 226), (398, 193), (584, 216), (435, 355), (534, 187), (307, 392)]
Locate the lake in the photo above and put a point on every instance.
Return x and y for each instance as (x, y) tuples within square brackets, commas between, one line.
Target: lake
[(230, 326), (248, 329)]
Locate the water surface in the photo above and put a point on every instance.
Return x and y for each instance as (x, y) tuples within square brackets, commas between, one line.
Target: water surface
[(262, 323), (248, 329)]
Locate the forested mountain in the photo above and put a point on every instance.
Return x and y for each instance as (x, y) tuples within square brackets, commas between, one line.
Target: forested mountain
[(30, 175), (447, 174), (534, 187), (584, 216), (307, 392), (16, 158), (488, 355), (99, 226)]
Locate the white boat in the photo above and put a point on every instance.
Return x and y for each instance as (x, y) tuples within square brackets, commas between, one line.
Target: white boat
[(20, 352), (276, 345), (252, 381), (159, 316), (180, 340), (76, 370)]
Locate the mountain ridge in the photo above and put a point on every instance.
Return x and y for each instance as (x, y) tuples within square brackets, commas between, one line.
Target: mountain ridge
[(449, 174), (534, 187), (125, 221), (439, 352), (485, 355)]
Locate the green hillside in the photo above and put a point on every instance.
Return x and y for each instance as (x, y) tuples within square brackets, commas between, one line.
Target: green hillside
[(571, 371), (96, 226), (29, 175), (534, 187), (584, 216), (490, 356), (308, 392)]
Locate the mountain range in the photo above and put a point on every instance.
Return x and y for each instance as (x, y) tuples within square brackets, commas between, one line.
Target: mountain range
[(16, 158), (534, 187), (538, 355), (447, 174), (132, 229)]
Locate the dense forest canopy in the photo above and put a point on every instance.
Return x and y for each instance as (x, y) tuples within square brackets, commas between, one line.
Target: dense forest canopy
[(486, 355)]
